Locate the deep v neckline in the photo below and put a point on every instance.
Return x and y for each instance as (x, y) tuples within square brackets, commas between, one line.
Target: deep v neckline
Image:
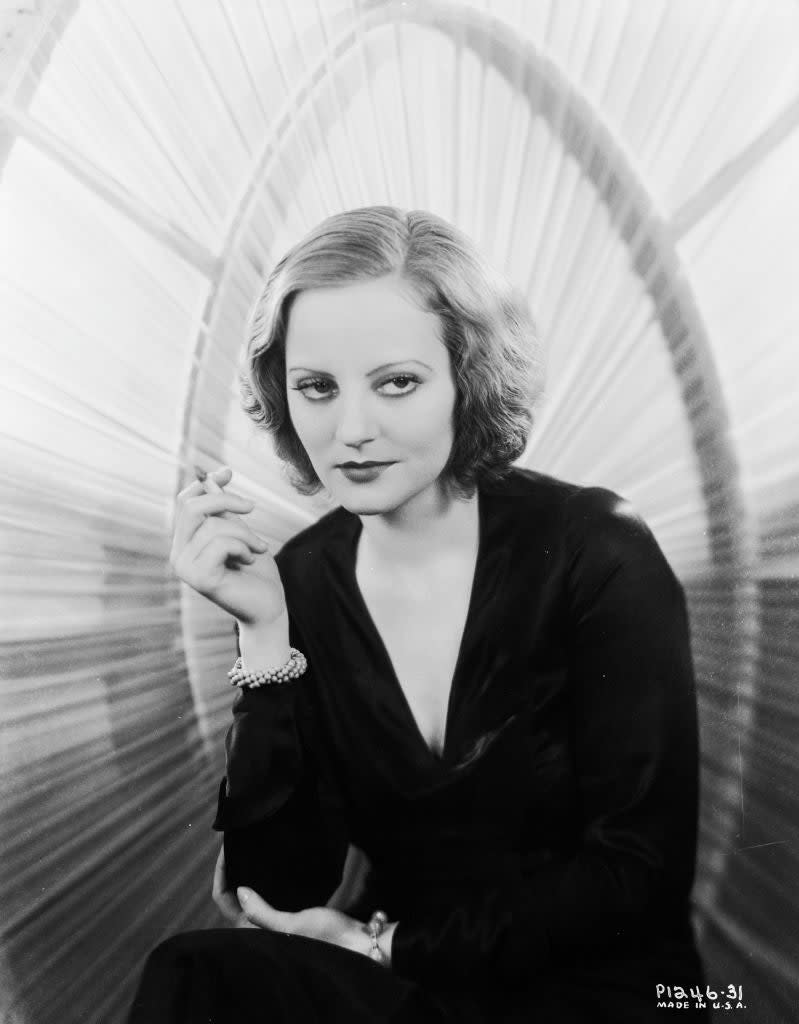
[(380, 645)]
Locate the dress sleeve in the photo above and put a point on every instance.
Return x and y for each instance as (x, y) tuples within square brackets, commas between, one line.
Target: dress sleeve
[(284, 833), (634, 733)]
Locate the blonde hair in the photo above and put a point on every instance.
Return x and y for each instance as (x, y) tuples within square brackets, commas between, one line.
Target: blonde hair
[(485, 325)]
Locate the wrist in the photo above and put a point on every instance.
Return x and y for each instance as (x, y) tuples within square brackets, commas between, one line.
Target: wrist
[(385, 940), (375, 939), (360, 941), (264, 647)]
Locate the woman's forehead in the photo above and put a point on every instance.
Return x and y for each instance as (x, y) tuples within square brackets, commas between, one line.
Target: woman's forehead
[(367, 318)]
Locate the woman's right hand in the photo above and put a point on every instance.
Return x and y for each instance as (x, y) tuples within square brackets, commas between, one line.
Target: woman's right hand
[(221, 557)]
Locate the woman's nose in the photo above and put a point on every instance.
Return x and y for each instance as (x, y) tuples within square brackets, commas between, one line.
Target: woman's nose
[(356, 421)]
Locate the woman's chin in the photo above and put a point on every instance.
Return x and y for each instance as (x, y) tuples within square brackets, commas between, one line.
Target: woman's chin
[(378, 496), (365, 501), (361, 505)]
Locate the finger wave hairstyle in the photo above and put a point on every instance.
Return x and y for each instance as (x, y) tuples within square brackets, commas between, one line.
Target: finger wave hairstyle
[(486, 327)]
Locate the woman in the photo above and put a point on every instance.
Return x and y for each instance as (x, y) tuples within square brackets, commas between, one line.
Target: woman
[(494, 722)]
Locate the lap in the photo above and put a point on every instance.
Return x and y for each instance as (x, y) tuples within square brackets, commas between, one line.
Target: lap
[(254, 976), (243, 975)]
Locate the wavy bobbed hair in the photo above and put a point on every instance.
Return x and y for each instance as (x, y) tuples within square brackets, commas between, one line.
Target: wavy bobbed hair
[(485, 325)]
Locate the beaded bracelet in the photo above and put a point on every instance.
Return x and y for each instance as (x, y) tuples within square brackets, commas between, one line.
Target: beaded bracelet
[(293, 668), (375, 928)]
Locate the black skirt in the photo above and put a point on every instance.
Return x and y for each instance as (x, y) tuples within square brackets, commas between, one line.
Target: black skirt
[(253, 976)]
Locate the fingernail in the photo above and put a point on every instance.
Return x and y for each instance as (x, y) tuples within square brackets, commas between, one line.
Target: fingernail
[(243, 894)]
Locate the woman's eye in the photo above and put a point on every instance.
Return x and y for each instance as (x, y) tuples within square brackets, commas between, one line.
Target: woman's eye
[(404, 383), (315, 389)]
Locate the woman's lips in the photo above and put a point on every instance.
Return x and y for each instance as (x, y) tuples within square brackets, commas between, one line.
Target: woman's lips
[(364, 474)]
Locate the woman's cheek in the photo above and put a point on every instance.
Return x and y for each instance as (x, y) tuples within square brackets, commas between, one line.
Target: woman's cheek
[(308, 427)]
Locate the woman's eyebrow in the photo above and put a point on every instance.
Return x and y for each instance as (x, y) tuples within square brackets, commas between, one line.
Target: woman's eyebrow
[(378, 369)]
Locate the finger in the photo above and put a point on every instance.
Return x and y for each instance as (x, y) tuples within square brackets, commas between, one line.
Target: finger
[(214, 483), (218, 479), (263, 914), (213, 526), (211, 485), (193, 490), (217, 551), (223, 897), (221, 476), (233, 525), (204, 571), (194, 510), (220, 873), (229, 906), (218, 502)]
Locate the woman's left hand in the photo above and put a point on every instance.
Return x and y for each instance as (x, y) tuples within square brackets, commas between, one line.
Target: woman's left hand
[(315, 923)]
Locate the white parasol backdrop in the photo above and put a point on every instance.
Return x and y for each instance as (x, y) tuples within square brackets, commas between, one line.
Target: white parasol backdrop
[(631, 166)]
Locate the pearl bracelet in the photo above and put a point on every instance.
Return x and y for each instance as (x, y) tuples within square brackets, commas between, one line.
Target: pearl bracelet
[(375, 928), (293, 668)]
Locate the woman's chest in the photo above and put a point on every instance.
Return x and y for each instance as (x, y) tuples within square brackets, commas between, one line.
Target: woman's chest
[(506, 779), (385, 702), (421, 635)]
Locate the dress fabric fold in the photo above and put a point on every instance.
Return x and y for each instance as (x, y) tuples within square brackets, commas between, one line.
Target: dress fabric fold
[(540, 866)]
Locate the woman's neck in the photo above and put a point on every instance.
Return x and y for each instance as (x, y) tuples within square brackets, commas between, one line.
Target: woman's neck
[(427, 527)]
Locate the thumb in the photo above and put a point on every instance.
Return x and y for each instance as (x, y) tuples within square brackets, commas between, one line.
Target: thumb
[(262, 913)]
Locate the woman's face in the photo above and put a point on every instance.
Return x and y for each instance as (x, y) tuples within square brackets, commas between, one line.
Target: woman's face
[(369, 380)]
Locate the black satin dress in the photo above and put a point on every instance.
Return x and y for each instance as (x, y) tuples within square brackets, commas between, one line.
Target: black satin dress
[(541, 867)]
